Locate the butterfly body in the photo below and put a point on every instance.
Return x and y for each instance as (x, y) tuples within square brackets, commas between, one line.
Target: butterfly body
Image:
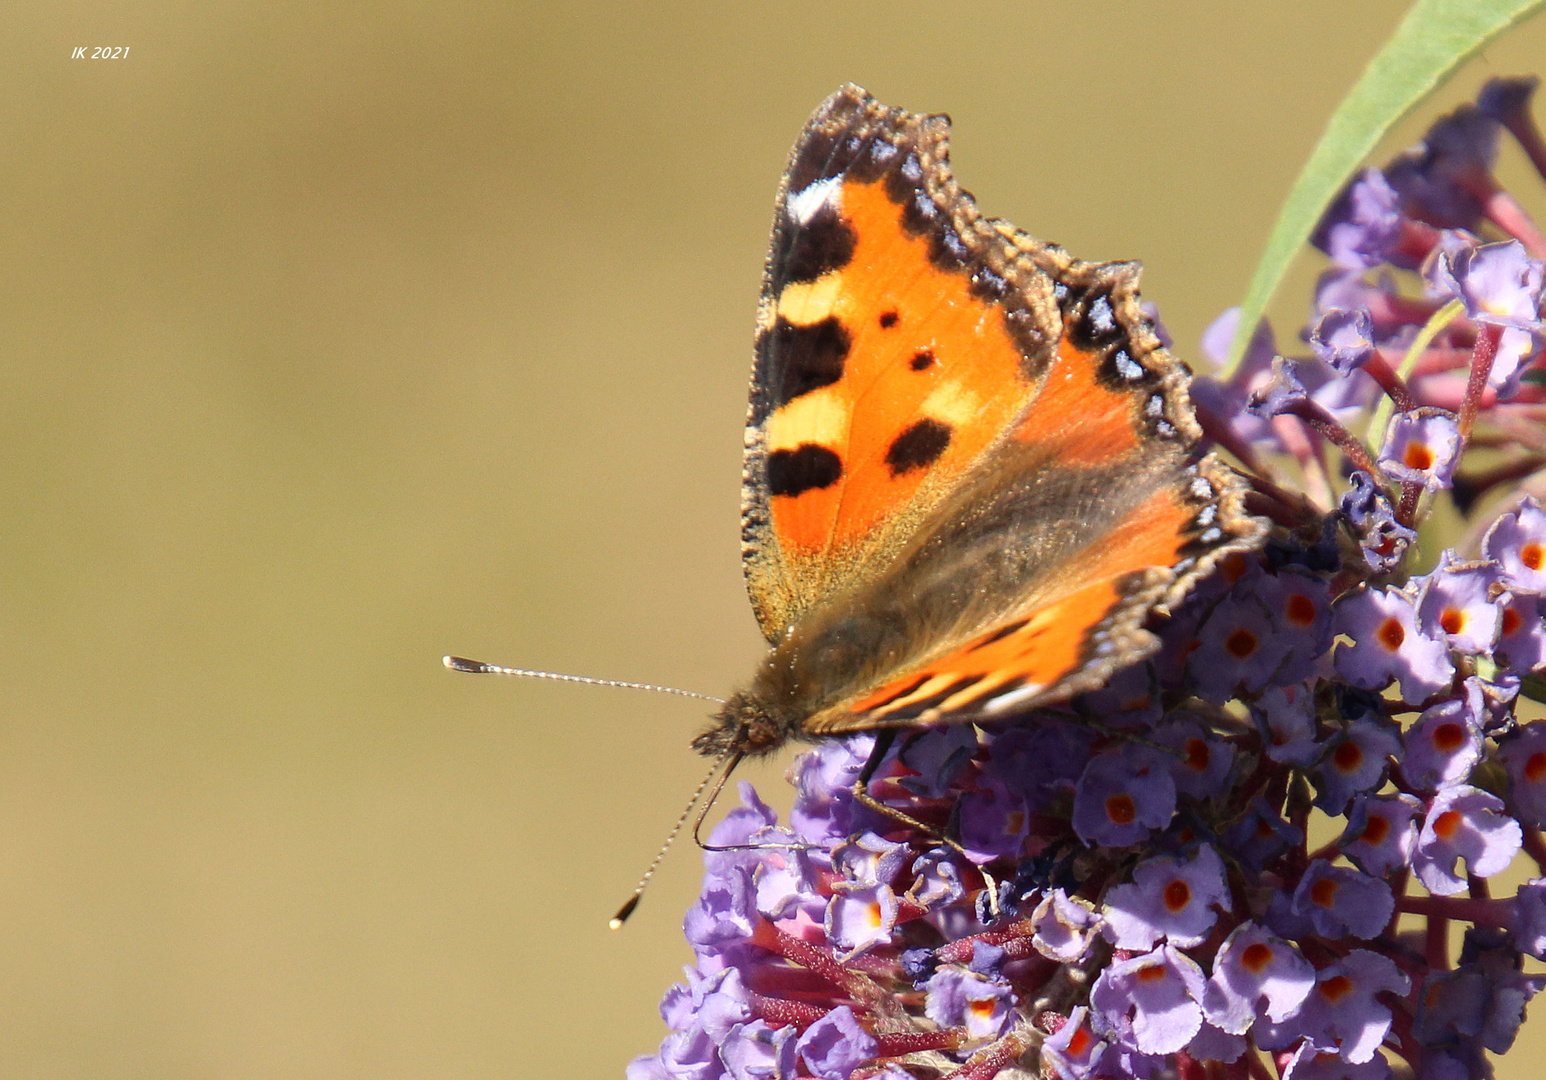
[(972, 470)]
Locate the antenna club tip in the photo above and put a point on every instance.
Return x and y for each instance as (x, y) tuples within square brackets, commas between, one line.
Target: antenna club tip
[(461, 663), (616, 922)]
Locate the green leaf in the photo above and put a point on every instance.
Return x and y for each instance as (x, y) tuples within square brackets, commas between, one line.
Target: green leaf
[(1436, 37)]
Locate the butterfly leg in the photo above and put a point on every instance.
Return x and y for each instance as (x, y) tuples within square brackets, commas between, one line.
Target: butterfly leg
[(885, 738)]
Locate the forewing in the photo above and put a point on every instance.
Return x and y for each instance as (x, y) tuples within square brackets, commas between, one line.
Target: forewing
[(900, 335)]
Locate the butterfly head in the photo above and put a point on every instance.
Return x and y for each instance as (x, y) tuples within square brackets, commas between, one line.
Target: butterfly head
[(748, 725)]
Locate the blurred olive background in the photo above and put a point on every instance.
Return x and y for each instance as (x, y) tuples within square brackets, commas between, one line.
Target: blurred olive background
[(339, 337)]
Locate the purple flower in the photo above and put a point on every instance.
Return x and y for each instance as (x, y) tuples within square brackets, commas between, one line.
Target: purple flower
[(1261, 835), (936, 879), (1168, 898), (1467, 823), (966, 999), (1517, 543), (1075, 1051), (1310, 1063), (1457, 600), (1256, 974), (1524, 758), (1151, 1001), (1202, 761), (836, 1044), (1499, 284), (1065, 927), (718, 1001), (1041, 761), (1389, 644), (1517, 349), (1381, 832), (1363, 227), (1212, 1044), (824, 780), (993, 820), (725, 913), (756, 1051), (1383, 539), (1527, 917), (1521, 632), (787, 880), (1482, 1000), (1343, 339), (1285, 716), (1342, 1013), (860, 918), (1282, 393), (1423, 447), (1122, 796), (1235, 651), (1129, 698), (1341, 901), (1433, 178), (870, 859), (937, 756), (1443, 746), (690, 1055), (1300, 606), (1357, 761)]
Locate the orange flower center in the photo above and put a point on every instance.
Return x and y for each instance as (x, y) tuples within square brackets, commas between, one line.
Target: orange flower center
[(1177, 895), (1240, 644), (1323, 893), (1532, 555), (1535, 767), (1120, 809), (1348, 757), (1256, 957), (1197, 755), (1391, 634), (1300, 610), (1448, 737), (1336, 988), (1375, 830)]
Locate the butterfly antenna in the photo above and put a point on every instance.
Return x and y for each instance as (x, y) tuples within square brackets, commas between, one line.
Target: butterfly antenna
[(730, 757), (478, 667)]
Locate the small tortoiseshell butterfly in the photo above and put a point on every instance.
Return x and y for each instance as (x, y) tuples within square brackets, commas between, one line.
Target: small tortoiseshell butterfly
[(972, 469)]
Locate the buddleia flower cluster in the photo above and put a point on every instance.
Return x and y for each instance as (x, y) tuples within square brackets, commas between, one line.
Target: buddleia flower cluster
[(1274, 849)]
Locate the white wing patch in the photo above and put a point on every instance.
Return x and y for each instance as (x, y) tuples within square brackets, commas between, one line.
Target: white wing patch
[(804, 204)]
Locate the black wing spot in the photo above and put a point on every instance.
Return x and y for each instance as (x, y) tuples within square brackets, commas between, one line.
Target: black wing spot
[(804, 358), (805, 468), (888, 319), (919, 446), (922, 360), (819, 246)]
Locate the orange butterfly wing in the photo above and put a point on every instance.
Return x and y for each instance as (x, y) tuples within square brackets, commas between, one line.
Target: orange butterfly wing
[(969, 476), (887, 360)]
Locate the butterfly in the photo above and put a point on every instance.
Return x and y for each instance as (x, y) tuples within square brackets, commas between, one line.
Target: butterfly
[(972, 472)]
